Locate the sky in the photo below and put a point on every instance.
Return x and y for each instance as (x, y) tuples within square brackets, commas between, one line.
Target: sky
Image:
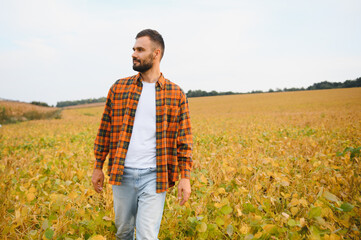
[(60, 50)]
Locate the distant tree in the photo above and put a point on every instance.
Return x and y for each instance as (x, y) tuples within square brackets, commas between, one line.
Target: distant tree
[(352, 83), (323, 85), (43, 104), (201, 93), (292, 89), (78, 102), (256, 91), (213, 93), (228, 93)]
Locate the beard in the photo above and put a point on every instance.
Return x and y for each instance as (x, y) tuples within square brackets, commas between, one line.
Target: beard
[(143, 65)]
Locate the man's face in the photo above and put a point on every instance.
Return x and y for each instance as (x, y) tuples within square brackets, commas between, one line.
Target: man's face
[(143, 54)]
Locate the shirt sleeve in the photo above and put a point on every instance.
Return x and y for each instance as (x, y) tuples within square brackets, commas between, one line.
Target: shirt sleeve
[(184, 139), (102, 140)]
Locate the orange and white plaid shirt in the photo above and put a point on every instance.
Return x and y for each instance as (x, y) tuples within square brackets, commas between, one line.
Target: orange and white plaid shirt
[(173, 130)]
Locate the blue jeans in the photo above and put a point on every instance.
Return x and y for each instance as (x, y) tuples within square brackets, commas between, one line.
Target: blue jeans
[(137, 205)]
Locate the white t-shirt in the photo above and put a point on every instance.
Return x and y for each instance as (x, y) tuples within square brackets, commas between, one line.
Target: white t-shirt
[(142, 147)]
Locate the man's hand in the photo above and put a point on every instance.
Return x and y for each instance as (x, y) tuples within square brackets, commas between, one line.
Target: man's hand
[(98, 180), (184, 188)]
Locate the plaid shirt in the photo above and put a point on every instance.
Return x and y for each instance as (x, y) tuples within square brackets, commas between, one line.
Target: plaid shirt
[(173, 130)]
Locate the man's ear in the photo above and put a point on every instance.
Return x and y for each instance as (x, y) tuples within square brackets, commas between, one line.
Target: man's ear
[(157, 52)]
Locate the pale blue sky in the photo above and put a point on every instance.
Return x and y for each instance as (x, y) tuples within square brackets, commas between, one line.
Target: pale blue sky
[(61, 50)]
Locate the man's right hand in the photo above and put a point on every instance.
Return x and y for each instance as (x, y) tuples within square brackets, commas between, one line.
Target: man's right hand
[(98, 180)]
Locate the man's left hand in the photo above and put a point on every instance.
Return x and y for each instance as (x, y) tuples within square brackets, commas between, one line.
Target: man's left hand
[(184, 188)]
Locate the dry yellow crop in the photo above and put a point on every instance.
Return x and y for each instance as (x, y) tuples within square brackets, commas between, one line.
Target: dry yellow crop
[(266, 166), (12, 111), (19, 108)]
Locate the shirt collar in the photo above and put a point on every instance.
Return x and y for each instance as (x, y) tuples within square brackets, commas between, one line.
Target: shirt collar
[(160, 82)]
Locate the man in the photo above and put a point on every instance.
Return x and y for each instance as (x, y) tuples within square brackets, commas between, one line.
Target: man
[(146, 130)]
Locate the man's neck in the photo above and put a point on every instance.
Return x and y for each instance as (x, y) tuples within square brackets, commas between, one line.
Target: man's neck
[(151, 76)]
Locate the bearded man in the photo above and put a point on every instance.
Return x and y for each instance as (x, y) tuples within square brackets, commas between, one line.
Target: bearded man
[(146, 130)]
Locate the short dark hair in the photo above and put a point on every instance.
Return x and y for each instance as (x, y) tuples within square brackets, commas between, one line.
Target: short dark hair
[(154, 37)]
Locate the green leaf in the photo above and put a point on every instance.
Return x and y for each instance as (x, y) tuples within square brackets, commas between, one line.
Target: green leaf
[(192, 219), (11, 210), (219, 221), (346, 207), (291, 223), (315, 233), (230, 230), (331, 197), (53, 217), (202, 227), (248, 207), (226, 209), (45, 224), (211, 227), (49, 233), (315, 212)]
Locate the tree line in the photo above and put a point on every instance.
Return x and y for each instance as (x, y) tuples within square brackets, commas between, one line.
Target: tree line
[(201, 93), (43, 104), (78, 102), (315, 86)]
